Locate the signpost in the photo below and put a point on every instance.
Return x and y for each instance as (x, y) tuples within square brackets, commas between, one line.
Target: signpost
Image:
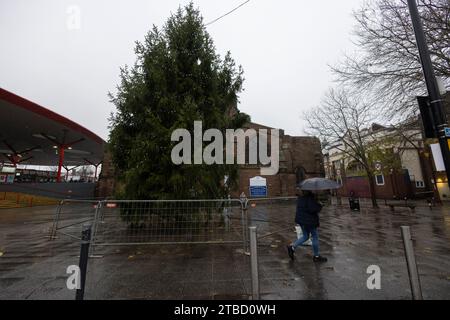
[(378, 166)]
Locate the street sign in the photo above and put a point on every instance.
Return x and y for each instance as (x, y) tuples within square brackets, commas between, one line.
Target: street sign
[(437, 156), (378, 166), (258, 187), (447, 132), (258, 191)]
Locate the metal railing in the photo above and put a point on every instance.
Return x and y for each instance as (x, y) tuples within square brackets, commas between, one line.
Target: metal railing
[(131, 222), (70, 215), (149, 222), (254, 223), (262, 212)]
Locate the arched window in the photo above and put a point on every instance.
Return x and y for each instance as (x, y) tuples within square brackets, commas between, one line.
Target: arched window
[(300, 174)]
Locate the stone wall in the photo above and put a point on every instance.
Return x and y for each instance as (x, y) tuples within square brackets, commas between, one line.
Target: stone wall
[(106, 181), (300, 158)]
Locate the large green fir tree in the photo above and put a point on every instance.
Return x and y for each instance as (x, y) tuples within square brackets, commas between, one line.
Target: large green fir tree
[(178, 78)]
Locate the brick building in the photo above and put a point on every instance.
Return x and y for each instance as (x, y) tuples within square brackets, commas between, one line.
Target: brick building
[(300, 158)]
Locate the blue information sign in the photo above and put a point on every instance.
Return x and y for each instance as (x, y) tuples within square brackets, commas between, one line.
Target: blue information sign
[(447, 132), (258, 191)]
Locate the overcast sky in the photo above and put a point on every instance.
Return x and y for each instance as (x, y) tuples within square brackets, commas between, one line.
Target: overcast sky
[(283, 46)]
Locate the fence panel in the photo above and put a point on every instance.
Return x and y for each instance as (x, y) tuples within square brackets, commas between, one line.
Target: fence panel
[(70, 215), (123, 222), (264, 213), (135, 224)]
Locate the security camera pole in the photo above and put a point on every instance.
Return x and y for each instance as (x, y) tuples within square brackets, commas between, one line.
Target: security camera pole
[(437, 110)]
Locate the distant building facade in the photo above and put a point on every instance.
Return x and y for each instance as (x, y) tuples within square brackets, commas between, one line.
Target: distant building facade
[(408, 180), (417, 176)]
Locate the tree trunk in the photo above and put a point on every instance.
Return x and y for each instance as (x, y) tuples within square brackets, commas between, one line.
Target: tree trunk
[(373, 194)]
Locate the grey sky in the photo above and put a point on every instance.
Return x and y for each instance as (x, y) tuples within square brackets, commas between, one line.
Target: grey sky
[(283, 46)]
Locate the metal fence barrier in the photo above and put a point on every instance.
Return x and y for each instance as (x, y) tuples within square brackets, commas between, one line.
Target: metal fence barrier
[(161, 222), (132, 222), (262, 212), (149, 222), (70, 215)]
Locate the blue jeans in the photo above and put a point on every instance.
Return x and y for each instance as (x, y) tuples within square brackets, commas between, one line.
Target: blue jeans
[(315, 239)]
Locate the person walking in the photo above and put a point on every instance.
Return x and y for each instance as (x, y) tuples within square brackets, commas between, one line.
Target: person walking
[(307, 216)]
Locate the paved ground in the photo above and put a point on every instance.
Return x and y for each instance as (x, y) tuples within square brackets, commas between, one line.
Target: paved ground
[(32, 267), (352, 242)]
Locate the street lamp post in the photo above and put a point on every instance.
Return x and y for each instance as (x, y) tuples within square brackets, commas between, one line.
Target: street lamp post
[(436, 106)]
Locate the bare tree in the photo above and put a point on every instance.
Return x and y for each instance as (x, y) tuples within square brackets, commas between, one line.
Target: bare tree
[(407, 133), (343, 122), (84, 172), (387, 64)]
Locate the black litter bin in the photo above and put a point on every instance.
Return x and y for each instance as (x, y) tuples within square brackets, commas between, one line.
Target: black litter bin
[(354, 204)]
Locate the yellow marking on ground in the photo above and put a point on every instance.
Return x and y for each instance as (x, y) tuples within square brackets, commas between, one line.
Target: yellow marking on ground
[(10, 200)]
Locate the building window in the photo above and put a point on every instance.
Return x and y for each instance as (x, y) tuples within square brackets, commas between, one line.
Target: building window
[(420, 184), (379, 178)]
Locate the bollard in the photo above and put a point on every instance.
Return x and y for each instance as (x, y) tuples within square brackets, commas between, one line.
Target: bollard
[(254, 263), (413, 273), (84, 255)]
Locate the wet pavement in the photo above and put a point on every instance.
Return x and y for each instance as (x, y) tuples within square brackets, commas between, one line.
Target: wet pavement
[(352, 242), (32, 267)]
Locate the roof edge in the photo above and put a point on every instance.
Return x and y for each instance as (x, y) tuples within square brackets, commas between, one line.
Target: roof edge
[(47, 113)]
